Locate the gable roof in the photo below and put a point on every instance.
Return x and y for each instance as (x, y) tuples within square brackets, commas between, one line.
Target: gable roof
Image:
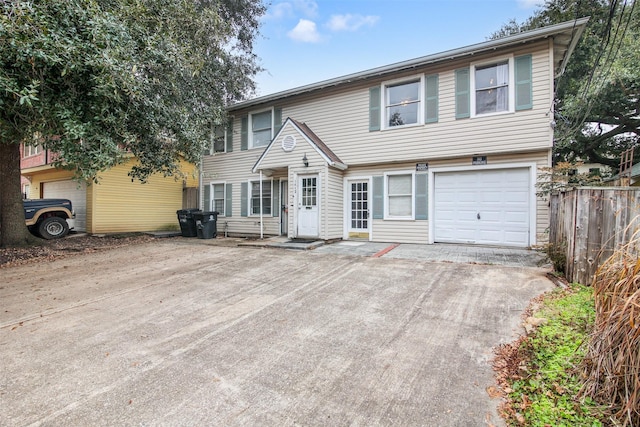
[(565, 37), (314, 141)]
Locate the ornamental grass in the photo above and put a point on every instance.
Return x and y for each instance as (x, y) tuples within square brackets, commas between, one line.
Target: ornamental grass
[(611, 367)]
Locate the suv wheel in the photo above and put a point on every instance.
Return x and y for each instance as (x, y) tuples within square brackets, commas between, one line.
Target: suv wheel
[(53, 228)]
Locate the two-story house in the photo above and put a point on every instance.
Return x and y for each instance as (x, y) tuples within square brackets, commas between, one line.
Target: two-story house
[(442, 148)]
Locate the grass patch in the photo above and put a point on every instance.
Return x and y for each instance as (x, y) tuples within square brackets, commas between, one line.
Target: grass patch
[(539, 374)]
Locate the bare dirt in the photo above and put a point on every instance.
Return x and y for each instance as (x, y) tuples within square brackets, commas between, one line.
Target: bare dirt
[(47, 250)]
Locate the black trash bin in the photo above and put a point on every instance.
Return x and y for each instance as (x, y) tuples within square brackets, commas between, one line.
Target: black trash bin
[(187, 222), (206, 224)]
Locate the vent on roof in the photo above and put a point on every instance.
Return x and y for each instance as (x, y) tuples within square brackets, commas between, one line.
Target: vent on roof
[(288, 143)]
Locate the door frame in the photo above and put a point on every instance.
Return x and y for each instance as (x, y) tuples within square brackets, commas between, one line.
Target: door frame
[(347, 205), (532, 166), (298, 195), (284, 207)]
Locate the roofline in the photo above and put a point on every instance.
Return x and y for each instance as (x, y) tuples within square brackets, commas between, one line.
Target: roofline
[(503, 42)]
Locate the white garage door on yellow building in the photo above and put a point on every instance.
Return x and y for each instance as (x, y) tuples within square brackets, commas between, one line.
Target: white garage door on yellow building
[(74, 191)]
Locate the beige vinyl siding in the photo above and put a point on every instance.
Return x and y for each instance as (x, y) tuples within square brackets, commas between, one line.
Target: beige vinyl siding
[(235, 168), (400, 231), (334, 211), (341, 121), (415, 231), (278, 158)]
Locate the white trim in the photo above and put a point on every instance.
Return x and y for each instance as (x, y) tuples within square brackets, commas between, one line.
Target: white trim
[(249, 195), (413, 196), (419, 78), (347, 204), (512, 88), (533, 170), (298, 196), (250, 145), (224, 197)]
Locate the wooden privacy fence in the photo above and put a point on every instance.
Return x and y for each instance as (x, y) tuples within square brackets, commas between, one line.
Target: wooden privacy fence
[(588, 224)]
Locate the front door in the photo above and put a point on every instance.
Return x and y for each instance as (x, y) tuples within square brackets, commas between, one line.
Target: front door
[(359, 209), (308, 206)]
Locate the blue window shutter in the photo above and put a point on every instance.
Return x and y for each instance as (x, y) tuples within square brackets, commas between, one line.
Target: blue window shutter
[(244, 189), (275, 198), (463, 97), (431, 99), (374, 108), (277, 120), (523, 75), (378, 197), (206, 205), (228, 198), (229, 136), (422, 196), (244, 133)]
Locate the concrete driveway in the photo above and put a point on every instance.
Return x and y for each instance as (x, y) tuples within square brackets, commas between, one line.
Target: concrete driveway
[(187, 332)]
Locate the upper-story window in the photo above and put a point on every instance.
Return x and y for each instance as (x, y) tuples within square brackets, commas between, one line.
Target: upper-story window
[(407, 102), (261, 128), (504, 85), (402, 103), (219, 139), (31, 150), (492, 88)]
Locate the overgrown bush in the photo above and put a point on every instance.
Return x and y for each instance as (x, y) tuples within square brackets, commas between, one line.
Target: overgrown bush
[(612, 363)]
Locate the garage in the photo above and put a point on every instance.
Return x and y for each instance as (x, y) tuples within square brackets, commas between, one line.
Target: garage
[(74, 191), (487, 207)]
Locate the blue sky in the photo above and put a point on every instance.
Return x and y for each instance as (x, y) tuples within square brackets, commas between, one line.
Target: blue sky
[(307, 41)]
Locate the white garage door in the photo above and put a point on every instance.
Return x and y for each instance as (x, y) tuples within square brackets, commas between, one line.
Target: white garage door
[(489, 207), (73, 191)]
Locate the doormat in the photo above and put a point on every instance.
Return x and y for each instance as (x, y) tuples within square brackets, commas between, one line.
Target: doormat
[(300, 241)]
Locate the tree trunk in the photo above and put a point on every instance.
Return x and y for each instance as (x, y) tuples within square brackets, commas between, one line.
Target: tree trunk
[(13, 231)]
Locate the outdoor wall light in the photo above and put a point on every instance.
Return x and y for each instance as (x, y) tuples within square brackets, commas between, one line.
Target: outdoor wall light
[(305, 161)]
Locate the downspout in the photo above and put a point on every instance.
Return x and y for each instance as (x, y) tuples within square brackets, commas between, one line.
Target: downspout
[(200, 180), (261, 227)]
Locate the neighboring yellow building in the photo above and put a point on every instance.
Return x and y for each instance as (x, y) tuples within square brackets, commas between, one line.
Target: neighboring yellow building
[(117, 203)]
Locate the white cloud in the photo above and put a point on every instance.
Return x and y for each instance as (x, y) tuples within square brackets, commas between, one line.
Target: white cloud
[(529, 4), (350, 22), (306, 31)]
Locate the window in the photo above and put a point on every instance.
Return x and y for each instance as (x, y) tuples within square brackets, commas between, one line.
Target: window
[(254, 207), (400, 196), (219, 139), (402, 103), (217, 198), (492, 88), (261, 125), (30, 150)]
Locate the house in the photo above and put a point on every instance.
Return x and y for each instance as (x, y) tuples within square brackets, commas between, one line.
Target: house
[(631, 178), (117, 203), (442, 148)]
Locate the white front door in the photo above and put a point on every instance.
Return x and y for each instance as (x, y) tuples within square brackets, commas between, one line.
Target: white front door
[(308, 206), (489, 207), (359, 206)]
